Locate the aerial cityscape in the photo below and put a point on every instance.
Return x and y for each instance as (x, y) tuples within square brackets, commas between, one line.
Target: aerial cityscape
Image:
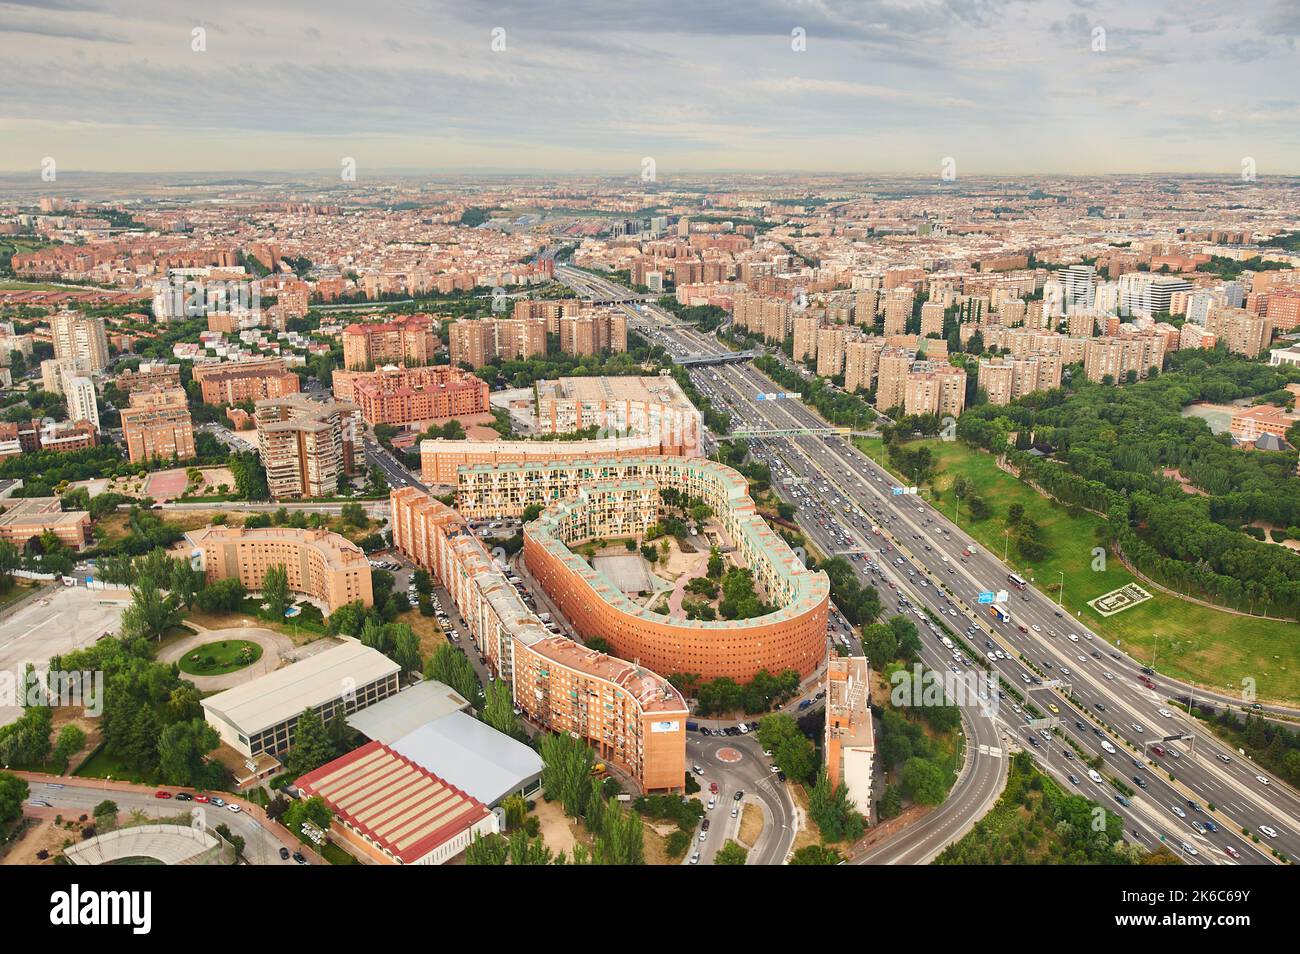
[(495, 435)]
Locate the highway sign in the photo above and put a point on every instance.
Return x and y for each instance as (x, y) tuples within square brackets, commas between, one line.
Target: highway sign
[(897, 491), (986, 597), (1002, 596)]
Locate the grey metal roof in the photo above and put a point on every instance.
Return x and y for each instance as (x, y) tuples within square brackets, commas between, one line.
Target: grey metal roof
[(389, 719), (471, 755)]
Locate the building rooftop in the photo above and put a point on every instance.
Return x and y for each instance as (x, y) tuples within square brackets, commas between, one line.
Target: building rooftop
[(406, 810), (284, 693), (655, 388), (484, 763), (340, 552), (43, 510), (389, 719)]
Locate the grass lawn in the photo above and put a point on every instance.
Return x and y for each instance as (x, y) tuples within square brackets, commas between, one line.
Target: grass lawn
[(335, 855), (1188, 641), (15, 591), (220, 657), (102, 765)]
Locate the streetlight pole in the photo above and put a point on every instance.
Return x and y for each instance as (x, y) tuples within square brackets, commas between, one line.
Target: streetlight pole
[(1060, 594)]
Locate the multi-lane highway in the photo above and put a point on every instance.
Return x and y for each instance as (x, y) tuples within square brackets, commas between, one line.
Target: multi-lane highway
[(841, 494)]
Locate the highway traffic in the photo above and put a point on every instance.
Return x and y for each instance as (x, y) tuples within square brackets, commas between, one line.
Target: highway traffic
[(919, 552)]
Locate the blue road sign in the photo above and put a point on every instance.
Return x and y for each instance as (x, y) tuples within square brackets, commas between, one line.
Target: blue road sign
[(986, 597), (898, 491)]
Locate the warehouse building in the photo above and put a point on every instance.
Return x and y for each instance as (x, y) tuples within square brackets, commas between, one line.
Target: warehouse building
[(393, 811)]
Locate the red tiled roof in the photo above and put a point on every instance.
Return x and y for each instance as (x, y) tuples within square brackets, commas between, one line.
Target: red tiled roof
[(401, 806)]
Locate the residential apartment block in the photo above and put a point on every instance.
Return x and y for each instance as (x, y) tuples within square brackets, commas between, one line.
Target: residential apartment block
[(157, 426), (1008, 378), (326, 567), (413, 396), (231, 382), (80, 337), (850, 744), (622, 406), (404, 340), (478, 341), (632, 716), (307, 447)]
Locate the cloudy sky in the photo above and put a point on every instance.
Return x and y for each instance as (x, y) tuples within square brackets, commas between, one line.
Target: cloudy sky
[(1002, 86)]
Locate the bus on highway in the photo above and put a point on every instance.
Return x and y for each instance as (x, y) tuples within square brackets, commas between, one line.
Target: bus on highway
[(1016, 581), (999, 614)]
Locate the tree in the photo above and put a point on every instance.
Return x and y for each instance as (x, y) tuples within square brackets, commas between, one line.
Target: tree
[(354, 514), (151, 613), (10, 560), (312, 746), (105, 814), (221, 596), (348, 618), (816, 855), (731, 853), (880, 643), (313, 811), (185, 582), (923, 781), (235, 841), (182, 751), (498, 711), (487, 850), (13, 792), (566, 768), (830, 809), (406, 649), (715, 563), (275, 588), (451, 667), (70, 741)]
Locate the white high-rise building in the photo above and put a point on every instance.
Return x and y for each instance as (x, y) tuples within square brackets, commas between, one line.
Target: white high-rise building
[(1078, 283), (79, 391)]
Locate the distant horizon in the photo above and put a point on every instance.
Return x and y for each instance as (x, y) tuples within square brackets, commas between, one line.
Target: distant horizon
[(864, 87), (663, 181)]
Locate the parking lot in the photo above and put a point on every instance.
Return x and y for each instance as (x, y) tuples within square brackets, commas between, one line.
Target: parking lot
[(62, 619)]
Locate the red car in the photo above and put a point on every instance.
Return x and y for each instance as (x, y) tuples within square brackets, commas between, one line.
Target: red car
[(713, 787), (161, 794), (201, 798)]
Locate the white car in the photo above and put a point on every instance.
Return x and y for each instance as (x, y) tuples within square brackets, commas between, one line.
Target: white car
[(1189, 849), (1137, 727), (1074, 638), (1178, 811), (1165, 712), (695, 858), (232, 807), (1263, 780), (1037, 628), (1109, 675), (1271, 832)]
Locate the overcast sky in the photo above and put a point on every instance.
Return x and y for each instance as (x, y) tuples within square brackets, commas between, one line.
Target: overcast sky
[(1001, 86)]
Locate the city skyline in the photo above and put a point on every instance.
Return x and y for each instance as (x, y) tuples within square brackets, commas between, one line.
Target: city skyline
[(1001, 88)]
